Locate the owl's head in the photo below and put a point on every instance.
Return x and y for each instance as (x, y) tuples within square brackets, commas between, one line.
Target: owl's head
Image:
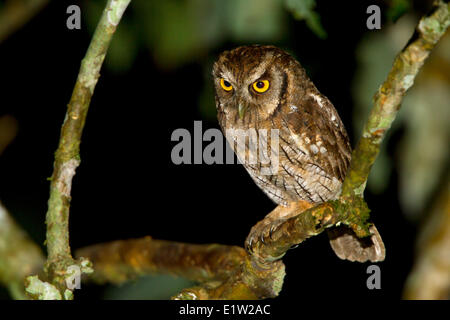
[(251, 82)]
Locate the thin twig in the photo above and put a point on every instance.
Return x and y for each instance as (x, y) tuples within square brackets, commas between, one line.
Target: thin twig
[(67, 156), (387, 100)]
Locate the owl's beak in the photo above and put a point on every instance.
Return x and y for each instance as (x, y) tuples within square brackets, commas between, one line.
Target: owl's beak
[(242, 109)]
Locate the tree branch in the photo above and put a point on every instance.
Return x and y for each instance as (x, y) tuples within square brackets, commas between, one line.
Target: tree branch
[(121, 261), (218, 267), (19, 255), (261, 274), (67, 156), (429, 278), (16, 13), (387, 100)]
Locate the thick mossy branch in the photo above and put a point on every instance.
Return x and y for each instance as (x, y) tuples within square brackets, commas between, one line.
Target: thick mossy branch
[(120, 261), (67, 155), (261, 274), (225, 271), (352, 212)]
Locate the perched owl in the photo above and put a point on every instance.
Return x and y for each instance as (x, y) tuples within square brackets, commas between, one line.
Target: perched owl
[(263, 90)]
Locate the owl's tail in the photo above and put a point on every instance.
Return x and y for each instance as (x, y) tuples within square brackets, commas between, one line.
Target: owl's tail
[(348, 246)]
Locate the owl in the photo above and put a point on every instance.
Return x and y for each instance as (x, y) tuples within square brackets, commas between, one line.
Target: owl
[(263, 94)]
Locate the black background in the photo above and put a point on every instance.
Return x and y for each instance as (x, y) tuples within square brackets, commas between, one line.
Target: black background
[(127, 186)]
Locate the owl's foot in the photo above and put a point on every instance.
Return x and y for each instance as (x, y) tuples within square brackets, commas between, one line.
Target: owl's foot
[(264, 229)]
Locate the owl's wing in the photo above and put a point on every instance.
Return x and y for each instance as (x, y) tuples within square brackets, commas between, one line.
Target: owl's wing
[(314, 122), (318, 125)]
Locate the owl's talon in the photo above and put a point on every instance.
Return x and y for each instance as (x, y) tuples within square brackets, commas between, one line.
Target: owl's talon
[(272, 229), (249, 246), (262, 232)]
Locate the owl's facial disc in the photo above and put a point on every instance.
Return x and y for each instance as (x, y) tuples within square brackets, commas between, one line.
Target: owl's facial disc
[(248, 98), (249, 83)]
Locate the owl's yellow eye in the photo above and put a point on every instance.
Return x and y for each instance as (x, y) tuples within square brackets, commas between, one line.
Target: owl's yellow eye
[(261, 86), (225, 85)]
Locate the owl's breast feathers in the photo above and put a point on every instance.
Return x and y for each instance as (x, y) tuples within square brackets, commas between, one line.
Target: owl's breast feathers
[(313, 151)]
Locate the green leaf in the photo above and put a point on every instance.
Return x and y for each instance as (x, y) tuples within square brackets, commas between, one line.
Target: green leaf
[(397, 8), (304, 10), (254, 20)]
